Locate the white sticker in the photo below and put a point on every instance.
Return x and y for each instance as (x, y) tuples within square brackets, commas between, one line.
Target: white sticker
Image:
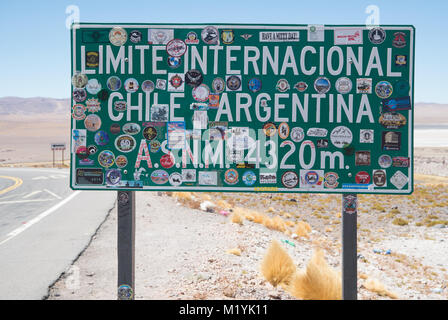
[(348, 36), (160, 36), (316, 33), (399, 180), (341, 136), (208, 178)]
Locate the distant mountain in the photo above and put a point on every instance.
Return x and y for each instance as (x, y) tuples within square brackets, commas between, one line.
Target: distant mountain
[(30, 106)]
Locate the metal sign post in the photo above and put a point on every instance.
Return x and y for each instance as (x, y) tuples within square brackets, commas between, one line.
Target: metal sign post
[(349, 246), (126, 244)]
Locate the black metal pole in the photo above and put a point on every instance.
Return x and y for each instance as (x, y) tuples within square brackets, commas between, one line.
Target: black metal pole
[(126, 245), (349, 247)]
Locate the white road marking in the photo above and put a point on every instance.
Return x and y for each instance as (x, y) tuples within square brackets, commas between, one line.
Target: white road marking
[(31, 194), (35, 220), (25, 201), (40, 178), (53, 194)]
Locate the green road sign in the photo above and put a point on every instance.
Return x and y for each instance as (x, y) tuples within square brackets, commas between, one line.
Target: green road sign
[(242, 108)]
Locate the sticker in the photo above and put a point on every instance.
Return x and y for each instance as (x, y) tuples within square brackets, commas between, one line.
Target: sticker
[(399, 180), (161, 84), (231, 176), (114, 83), (192, 38), (383, 89), (96, 36), (301, 86), (227, 36), (115, 128), (194, 78), (399, 40), (392, 120), (92, 149), (199, 106), (283, 130), (118, 36), (269, 129), (176, 48), (131, 85), (322, 85), (385, 161), (121, 161), (379, 178), (101, 138), (401, 162), (123, 198), (279, 36), (79, 95), (350, 203), (282, 85), (113, 177), (93, 105), (213, 101), (82, 152), (135, 36), (189, 175), (347, 36), (120, 106), (317, 132), (331, 180), (268, 177), (148, 86), (401, 88), (87, 176), (322, 143), (174, 62), (131, 128), (78, 112), (234, 155), (401, 60), (125, 143), (103, 95), (167, 161), (176, 82), (362, 177), (254, 84), (93, 86), (154, 146), (217, 130), (149, 132), (106, 158), (362, 158), (86, 162), (341, 137), (233, 83), (218, 85), (176, 135), (160, 112), (201, 93), (92, 59), (391, 140), (316, 33), (246, 36), (290, 179), (200, 119), (343, 85), (297, 134), (208, 178), (92, 122), (377, 35), (366, 135), (311, 179), (364, 85), (79, 80), (396, 104), (210, 35), (175, 179), (160, 36), (159, 177), (249, 178)]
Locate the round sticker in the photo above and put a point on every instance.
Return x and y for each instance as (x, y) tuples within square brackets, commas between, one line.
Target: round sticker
[(114, 83), (331, 180), (385, 161), (167, 161), (233, 83), (231, 176), (125, 143), (148, 86), (135, 36), (175, 179), (121, 161), (92, 122), (218, 85), (210, 35), (282, 85), (120, 106), (118, 36), (383, 89), (79, 80), (341, 136), (194, 78), (201, 93), (283, 130), (79, 112), (113, 176), (82, 152), (269, 129), (154, 146), (101, 138), (103, 95), (93, 86), (362, 177), (311, 177), (297, 134), (149, 133), (115, 128), (377, 35), (176, 48), (174, 62), (131, 85), (249, 178), (290, 179), (176, 81), (301, 86), (92, 149), (106, 158), (131, 128), (343, 85), (159, 177), (322, 85), (79, 95), (254, 84)]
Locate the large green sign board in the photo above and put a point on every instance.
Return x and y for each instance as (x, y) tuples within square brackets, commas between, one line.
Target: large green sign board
[(241, 108)]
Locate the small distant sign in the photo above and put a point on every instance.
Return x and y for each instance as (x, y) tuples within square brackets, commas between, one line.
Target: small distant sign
[(58, 146)]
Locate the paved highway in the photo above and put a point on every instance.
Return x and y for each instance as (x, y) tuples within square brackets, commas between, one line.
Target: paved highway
[(44, 225)]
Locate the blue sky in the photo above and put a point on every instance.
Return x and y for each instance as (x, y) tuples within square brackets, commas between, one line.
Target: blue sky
[(35, 49)]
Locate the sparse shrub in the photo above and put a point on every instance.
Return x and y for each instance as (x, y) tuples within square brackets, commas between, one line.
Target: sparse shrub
[(377, 287), (302, 229), (400, 222), (277, 266)]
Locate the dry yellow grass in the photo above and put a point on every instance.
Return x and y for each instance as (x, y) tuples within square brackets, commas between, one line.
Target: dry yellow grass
[(236, 217), (318, 282), (223, 204), (235, 251), (302, 229), (277, 266), (377, 287), (275, 223)]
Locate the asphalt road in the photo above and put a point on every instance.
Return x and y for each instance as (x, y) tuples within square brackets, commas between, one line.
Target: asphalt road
[(44, 225)]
